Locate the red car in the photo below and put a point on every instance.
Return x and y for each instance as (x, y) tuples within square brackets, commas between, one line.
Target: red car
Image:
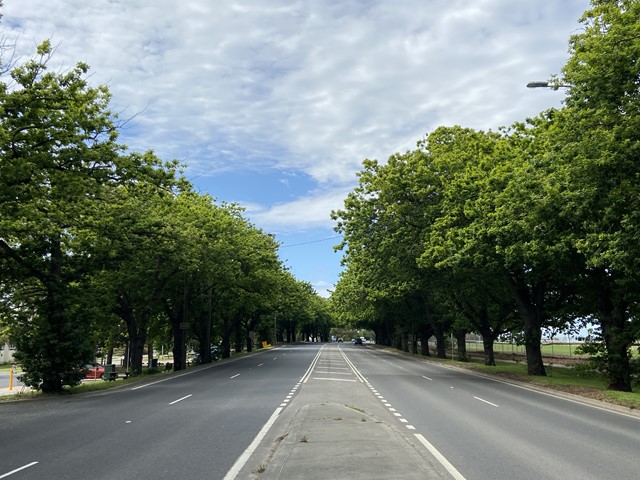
[(93, 372)]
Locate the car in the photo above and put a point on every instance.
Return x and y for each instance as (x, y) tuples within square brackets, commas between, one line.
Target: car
[(215, 355), (358, 341), (93, 372), (339, 340)]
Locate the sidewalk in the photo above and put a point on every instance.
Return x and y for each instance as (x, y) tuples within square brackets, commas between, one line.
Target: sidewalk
[(335, 430), (17, 386), (16, 390)]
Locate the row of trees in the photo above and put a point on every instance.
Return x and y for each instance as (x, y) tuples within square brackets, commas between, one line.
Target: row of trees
[(528, 228), (99, 245)]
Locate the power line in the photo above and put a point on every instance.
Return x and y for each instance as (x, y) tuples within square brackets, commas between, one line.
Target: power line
[(312, 241)]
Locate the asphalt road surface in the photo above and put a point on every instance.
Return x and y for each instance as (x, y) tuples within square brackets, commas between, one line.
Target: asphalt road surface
[(488, 429), (195, 425), (189, 426)]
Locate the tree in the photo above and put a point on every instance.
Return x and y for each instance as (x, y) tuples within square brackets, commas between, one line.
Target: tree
[(496, 217), (597, 169), (59, 155)]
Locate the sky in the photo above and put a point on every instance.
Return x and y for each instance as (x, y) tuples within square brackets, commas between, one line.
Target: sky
[(274, 104)]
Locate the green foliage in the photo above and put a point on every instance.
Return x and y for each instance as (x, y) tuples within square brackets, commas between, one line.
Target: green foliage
[(540, 218), (99, 246)]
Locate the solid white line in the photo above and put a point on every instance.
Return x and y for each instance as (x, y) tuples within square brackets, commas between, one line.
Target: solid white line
[(305, 377), (489, 403), (180, 399), (236, 375), (443, 461), (353, 367), (242, 459), (18, 469)]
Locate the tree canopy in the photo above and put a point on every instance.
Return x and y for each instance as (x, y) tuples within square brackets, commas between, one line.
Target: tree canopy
[(101, 246), (529, 227)]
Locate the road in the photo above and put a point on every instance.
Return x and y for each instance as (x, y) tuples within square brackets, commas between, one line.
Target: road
[(197, 424), (490, 429), (193, 425)]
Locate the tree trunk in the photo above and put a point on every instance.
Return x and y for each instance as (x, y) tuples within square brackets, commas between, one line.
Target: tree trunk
[(52, 377), (426, 333), (531, 308), (238, 336), (150, 355), (616, 334), (489, 356), (461, 339), (405, 342), (137, 342), (225, 333), (441, 346), (179, 347)]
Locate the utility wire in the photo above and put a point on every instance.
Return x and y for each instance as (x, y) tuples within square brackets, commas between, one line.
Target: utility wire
[(312, 241)]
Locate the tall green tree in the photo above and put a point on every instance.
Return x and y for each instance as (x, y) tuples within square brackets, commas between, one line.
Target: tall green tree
[(598, 140), (58, 154)]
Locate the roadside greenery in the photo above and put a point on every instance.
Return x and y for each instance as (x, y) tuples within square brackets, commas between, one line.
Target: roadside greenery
[(101, 247), (527, 229)]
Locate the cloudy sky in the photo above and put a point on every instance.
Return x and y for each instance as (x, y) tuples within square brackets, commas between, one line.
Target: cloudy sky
[(274, 104)]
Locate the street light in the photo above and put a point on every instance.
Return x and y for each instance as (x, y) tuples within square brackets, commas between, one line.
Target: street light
[(538, 85), (554, 86)]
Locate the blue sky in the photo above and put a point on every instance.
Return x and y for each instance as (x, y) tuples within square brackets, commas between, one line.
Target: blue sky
[(273, 104)]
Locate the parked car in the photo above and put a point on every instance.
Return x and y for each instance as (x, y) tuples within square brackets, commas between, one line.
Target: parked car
[(93, 372), (215, 355), (358, 341)]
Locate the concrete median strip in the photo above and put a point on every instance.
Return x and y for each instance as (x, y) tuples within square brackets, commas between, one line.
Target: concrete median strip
[(337, 429)]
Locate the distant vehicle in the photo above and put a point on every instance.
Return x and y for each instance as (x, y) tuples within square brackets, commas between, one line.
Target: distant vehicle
[(93, 372), (357, 341), (339, 340), (215, 355)]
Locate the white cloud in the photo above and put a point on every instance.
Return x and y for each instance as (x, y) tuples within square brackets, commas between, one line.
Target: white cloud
[(312, 86), (308, 212)]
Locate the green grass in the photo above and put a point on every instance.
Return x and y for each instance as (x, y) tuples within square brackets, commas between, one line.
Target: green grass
[(555, 375), (357, 409), (557, 349), (561, 378)]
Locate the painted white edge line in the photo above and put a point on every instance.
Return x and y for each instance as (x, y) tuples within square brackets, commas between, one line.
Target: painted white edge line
[(18, 469), (242, 459), (180, 399), (443, 461)]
